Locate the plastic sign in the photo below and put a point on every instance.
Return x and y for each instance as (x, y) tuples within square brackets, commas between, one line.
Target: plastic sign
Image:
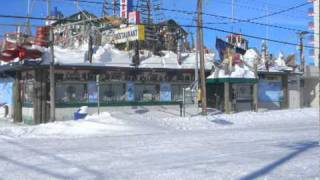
[(125, 8), (130, 33)]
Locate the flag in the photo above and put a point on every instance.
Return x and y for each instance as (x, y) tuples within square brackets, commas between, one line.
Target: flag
[(222, 46), (240, 50)]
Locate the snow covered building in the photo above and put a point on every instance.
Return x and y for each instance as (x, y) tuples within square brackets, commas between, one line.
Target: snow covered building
[(252, 80), (154, 80)]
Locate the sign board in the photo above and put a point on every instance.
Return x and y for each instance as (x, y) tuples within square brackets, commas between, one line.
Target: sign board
[(125, 8), (130, 33), (92, 92), (134, 17), (270, 91), (165, 92), (130, 91)]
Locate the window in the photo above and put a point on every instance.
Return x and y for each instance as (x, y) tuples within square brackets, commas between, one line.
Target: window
[(112, 92), (71, 92)]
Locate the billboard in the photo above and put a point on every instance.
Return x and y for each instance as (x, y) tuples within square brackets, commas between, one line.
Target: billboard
[(130, 33), (270, 91), (134, 17), (125, 8)]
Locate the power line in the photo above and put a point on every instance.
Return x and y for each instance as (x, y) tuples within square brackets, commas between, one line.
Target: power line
[(235, 20), (187, 26)]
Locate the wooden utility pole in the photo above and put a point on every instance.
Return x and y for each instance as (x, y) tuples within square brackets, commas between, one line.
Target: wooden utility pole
[(51, 75), (202, 66), (302, 63)]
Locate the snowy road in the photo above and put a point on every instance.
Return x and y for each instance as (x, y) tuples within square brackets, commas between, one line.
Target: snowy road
[(278, 148)]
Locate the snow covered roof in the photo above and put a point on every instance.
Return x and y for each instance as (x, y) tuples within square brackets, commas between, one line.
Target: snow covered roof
[(109, 56)]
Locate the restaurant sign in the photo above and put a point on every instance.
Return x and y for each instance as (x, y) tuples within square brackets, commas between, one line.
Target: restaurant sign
[(130, 33)]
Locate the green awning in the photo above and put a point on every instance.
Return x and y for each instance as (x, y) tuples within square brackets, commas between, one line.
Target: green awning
[(231, 80)]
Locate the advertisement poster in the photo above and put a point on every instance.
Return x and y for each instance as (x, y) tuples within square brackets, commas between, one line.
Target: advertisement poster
[(92, 92), (130, 91), (165, 92), (6, 86), (270, 91)]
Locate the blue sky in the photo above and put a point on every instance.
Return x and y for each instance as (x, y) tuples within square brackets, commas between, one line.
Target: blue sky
[(244, 9)]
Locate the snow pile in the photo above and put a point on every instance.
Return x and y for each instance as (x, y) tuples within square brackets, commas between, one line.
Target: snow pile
[(92, 125), (238, 72), (108, 55)]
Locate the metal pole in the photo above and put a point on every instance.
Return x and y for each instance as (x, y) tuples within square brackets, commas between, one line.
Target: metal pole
[(51, 72), (184, 101), (98, 92), (202, 67)]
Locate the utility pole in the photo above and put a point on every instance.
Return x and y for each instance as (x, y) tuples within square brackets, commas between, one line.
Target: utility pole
[(201, 50), (302, 62), (196, 72), (51, 71)]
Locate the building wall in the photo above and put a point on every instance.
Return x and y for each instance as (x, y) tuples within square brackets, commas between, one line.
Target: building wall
[(311, 87), (294, 91)]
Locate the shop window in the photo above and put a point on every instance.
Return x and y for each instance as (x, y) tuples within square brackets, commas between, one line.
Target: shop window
[(71, 93), (147, 92), (177, 91), (113, 92)]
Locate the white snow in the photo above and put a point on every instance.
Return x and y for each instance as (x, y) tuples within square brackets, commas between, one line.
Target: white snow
[(108, 55), (154, 143)]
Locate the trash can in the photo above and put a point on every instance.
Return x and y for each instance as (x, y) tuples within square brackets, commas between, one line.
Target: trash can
[(81, 113)]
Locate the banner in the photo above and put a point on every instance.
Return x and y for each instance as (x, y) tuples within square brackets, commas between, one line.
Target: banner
[(270, 91), (130, 33), (125, 7), (92, 92), (165, 92), (130, 91)]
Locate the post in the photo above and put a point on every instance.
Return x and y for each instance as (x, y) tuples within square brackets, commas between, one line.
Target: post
[(302, 64), (184, 101), (255, 88), (202, 66), (51, 75), (227, 97), (98, 92), (301, 48), (17, 104), (196, 73)]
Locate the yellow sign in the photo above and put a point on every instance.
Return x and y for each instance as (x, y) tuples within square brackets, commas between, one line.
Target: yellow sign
[(130, 33)]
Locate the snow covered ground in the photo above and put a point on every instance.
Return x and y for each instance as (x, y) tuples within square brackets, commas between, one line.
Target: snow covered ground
[(154, 143)]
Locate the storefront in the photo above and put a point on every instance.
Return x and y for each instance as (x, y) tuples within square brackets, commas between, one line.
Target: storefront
[(76, 87)]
